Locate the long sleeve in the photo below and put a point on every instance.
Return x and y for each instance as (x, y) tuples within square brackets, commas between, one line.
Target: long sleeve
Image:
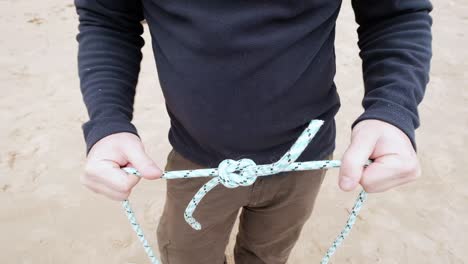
[(109, 59), (395, 43)]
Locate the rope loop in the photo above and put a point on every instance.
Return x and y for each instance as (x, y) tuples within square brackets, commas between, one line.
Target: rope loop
[(232, 173)]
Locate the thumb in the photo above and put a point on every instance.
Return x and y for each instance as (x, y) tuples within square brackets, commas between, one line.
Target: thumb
[(354, 159), (138, 159)]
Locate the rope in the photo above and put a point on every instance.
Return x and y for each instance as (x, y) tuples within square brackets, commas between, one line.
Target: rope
[(244, 172)]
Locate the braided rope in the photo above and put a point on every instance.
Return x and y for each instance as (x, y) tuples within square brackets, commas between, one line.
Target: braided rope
[(136, 227), (244, 172)]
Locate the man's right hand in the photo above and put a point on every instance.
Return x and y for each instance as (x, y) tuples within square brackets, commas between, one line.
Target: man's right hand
[(103, 173)]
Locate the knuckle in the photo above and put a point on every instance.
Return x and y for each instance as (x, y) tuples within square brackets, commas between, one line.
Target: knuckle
[(414, 174), (375, 188), (84, 180), (126, 187), (91, 187), (89, 168), (411, 170), (365, 185), (121, 196), (89, 172), (369, 188)]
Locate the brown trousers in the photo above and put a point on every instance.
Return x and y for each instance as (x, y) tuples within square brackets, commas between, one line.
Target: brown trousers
[(274, 210)]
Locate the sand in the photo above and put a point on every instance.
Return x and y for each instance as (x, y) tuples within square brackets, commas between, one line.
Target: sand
[(48, 217)]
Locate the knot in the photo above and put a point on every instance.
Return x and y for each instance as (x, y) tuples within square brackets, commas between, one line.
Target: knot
[(231, 173)]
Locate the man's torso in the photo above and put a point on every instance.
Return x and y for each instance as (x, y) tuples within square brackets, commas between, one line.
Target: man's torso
[(243, 78)]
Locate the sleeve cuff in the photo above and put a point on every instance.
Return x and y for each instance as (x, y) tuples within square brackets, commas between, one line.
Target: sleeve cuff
[(95, 130), (393, 114)]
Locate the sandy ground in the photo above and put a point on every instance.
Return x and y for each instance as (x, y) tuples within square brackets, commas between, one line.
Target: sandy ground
[(48, 217)]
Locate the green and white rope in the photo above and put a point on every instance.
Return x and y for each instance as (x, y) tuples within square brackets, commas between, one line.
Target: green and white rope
[(244, 172), (136, 227)]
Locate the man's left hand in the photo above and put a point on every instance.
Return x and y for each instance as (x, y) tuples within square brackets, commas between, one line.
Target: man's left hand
[(395, 161)]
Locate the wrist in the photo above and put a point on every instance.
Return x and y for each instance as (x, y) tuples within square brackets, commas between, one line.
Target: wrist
[(95, 130), (394, 115)]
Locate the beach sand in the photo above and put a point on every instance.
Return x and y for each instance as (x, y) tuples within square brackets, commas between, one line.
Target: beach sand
[(48, 217)]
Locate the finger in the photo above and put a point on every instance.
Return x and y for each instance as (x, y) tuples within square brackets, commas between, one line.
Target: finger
[(353, 161), (104, 190), (109, 174), (143, 163), (384, 173)]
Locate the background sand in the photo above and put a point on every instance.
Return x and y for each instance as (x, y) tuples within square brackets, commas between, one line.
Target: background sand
[(47, 217)]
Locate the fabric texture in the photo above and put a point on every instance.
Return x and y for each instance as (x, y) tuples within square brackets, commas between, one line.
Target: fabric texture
[(242, 79), (270, 221)]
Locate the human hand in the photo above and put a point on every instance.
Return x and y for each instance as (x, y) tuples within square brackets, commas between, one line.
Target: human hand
[(395, 161), (103, 173)]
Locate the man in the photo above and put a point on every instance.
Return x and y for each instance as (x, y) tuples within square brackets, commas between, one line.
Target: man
[(242, 79)]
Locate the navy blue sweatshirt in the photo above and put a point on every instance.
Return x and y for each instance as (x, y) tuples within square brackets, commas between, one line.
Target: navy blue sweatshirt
[(242, 78)]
